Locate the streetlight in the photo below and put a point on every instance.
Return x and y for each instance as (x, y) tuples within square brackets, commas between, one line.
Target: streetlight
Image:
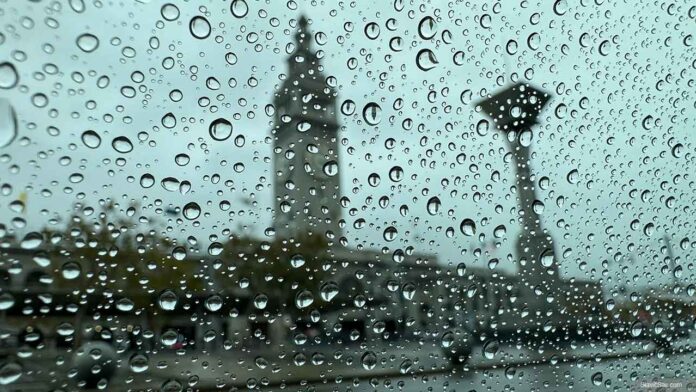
[(514, 110)]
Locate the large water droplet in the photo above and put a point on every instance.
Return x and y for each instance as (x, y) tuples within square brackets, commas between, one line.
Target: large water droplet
[(328, 291), (10, 372), (546, 258), (169, 121), (87, 42), (138, 363), (426, 60), (122, 145), (468, 227), (303, 299), (220, 129), (170, 12), (369, 360), (434, 205), (71, 270), (8, 75), (372, 113), (91, 139), (8, 123), (330, 168), (199, 27), (390, 233), (490, 348), (168, 300), (239, 8), (192, 211), (427, 28), (260, 301)]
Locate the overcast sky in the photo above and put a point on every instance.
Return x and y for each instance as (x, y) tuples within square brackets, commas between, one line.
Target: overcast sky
[(623, 88)]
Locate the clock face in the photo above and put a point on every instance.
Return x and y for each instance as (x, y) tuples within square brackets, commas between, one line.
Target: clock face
[(316, 161)]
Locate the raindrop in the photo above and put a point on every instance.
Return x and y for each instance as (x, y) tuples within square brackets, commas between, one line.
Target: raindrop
[(170, 12), (534, 41), (199, 27), (297, 261), (330, 168), (677, 150), (396, 174), (122, 145), (170, 184), (372, 30), (32, 240), (179, 253), (499, 231), (147, 180), (511, 47), (408, 291), (546, 258), (8, 75), (468, 227), (125, 305), (328, 291), (168, 300), (573, 176), (192, 211), (303, 299), (239, 8), (369, 360), (372, 113), (390, 233), (87, 42), (220, 129), (169, 121), (6, 301), (8, 123), (434, 205), (10, 372), (427, 28), (260, 301), (486, 21), (560, 7), (426, 60), (348, 107), (490, 348), (597, 379), (138, 363), (214, 303), (71, 270)]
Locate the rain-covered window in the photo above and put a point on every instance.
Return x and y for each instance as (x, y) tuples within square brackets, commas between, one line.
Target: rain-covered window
[(347, 195)]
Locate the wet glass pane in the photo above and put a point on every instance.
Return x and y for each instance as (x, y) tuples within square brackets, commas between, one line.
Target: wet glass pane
[(347, 196)]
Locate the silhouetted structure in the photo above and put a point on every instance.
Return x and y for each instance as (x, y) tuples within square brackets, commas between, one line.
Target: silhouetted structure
[(514, 111), (307, 184)]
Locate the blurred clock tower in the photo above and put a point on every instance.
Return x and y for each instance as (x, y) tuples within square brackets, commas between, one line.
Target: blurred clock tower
[(305, 147)]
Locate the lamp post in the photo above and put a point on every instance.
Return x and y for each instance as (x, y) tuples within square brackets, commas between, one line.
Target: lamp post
[(514, 111)]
